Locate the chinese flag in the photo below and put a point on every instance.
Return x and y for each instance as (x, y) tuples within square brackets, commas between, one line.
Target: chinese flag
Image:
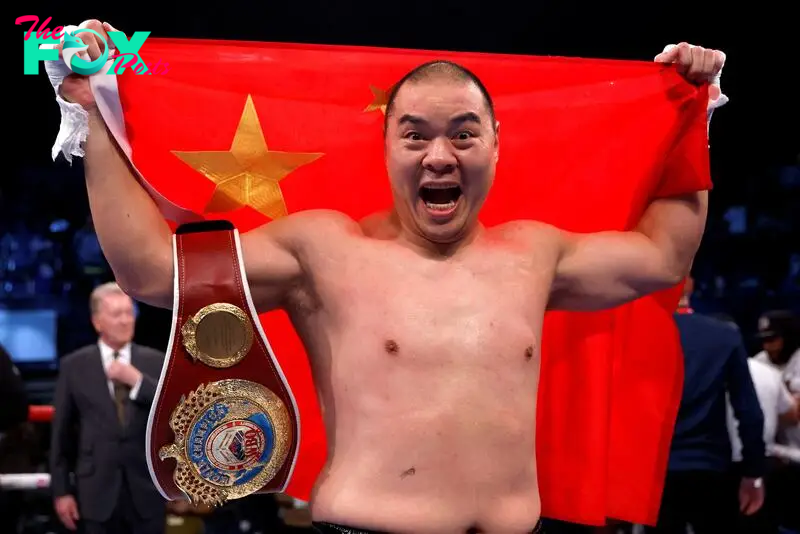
[(585, 144)]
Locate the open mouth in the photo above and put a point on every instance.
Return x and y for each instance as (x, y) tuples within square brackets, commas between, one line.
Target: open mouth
[(440, 197)]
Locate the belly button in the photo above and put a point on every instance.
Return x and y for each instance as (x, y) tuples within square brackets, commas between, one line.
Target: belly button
[(529, 352)]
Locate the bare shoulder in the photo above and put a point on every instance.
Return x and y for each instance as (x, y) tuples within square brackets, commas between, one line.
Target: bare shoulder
[(536, 236), (279, 255), (305, 226)]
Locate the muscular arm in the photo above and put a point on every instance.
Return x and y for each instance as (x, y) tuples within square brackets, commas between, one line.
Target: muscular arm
[(137, 241), (605, 269), (134, 236)]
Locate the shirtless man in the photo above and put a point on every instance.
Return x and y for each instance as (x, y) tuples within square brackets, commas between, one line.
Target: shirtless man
[(422, 326)]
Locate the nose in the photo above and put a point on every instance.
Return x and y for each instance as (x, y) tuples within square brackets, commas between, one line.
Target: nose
[(440, 157)]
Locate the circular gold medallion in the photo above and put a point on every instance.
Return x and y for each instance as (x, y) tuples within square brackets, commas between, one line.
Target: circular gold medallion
[(232, 439), (219, 335)]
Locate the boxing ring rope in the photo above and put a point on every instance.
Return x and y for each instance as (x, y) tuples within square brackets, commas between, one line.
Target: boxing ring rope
[(30, 481), (25, 481), (40, 414), (44, 414)]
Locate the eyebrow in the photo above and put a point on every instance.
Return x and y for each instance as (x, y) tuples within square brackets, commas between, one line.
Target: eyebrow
[(468, 116), (413, 119)]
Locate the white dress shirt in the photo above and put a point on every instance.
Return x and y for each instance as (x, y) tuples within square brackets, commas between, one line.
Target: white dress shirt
[(790, 373), (774, 399), (107, 355)]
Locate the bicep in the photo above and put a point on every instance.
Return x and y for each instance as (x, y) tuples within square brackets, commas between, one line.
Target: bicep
[(271, 264), (605, 269), (278, 255)]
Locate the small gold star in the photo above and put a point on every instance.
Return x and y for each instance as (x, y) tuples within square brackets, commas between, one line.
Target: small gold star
[(248, 173), (380, 100)]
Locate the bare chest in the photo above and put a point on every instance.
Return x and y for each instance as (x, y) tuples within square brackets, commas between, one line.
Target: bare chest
[(483, 307)]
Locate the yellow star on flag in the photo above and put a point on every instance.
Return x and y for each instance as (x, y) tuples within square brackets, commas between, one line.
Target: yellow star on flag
[(379, 101), (248, 173)]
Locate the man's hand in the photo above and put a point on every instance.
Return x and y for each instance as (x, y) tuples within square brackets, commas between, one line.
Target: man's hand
[(67, 510), (75, 88), (697, 64), (751, 495), (123, 372)]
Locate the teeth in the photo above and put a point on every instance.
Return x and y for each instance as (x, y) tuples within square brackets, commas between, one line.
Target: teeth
[(434, 185), (443, 207)]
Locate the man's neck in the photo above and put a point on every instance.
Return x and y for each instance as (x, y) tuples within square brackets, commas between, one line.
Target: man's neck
[(432, 249), (775, 359)]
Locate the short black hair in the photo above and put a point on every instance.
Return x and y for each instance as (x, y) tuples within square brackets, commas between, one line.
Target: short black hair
[(438, 69)]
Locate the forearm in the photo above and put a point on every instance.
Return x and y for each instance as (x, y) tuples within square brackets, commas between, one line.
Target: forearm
[(675, 228), (134, 236)]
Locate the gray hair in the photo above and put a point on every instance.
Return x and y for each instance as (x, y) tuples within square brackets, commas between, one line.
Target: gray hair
[(101, 291)]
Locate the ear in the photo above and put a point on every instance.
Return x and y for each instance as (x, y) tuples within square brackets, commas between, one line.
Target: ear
[(95, 324), (497, 139)]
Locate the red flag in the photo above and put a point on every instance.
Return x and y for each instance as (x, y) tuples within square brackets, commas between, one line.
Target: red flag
[(585, 144)]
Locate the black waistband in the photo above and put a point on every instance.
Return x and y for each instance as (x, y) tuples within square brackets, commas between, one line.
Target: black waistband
[(343, 529)]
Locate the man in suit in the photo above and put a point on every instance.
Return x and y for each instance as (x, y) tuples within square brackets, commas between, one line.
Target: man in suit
[(702, 488), (102, 402)]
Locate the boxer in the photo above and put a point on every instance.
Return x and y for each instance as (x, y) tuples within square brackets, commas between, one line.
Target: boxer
[(422, 326)]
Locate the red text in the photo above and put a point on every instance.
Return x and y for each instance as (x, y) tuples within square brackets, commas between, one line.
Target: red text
[(43, 32), (251, 444), (133, 61)]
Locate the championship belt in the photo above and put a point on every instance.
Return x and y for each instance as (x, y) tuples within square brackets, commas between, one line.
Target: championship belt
[(224, 423)]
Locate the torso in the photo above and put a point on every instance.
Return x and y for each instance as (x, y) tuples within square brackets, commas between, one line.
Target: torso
[(427, 371)]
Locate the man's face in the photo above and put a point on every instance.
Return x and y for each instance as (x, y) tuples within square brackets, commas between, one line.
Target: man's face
[(114, 320), (441, 154)]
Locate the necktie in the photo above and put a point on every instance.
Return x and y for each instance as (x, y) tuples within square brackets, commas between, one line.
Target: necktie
[(120, 393)]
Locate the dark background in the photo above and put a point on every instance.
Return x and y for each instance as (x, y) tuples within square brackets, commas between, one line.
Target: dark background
[(755, 139)]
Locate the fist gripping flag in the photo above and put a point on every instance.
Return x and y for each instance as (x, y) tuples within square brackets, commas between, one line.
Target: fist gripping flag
[(586, 145)]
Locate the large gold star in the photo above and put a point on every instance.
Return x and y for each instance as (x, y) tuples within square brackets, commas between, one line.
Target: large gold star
[(379, 101), (248, 173)]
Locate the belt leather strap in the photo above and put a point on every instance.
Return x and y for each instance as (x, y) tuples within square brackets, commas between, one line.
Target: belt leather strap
[(224, 423)]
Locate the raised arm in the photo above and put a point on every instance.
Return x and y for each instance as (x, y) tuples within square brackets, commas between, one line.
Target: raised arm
[(606, 269), (135, 238)]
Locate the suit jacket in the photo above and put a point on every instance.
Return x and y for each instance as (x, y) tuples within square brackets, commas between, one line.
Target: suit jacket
[(88, 440), (715, 366)]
